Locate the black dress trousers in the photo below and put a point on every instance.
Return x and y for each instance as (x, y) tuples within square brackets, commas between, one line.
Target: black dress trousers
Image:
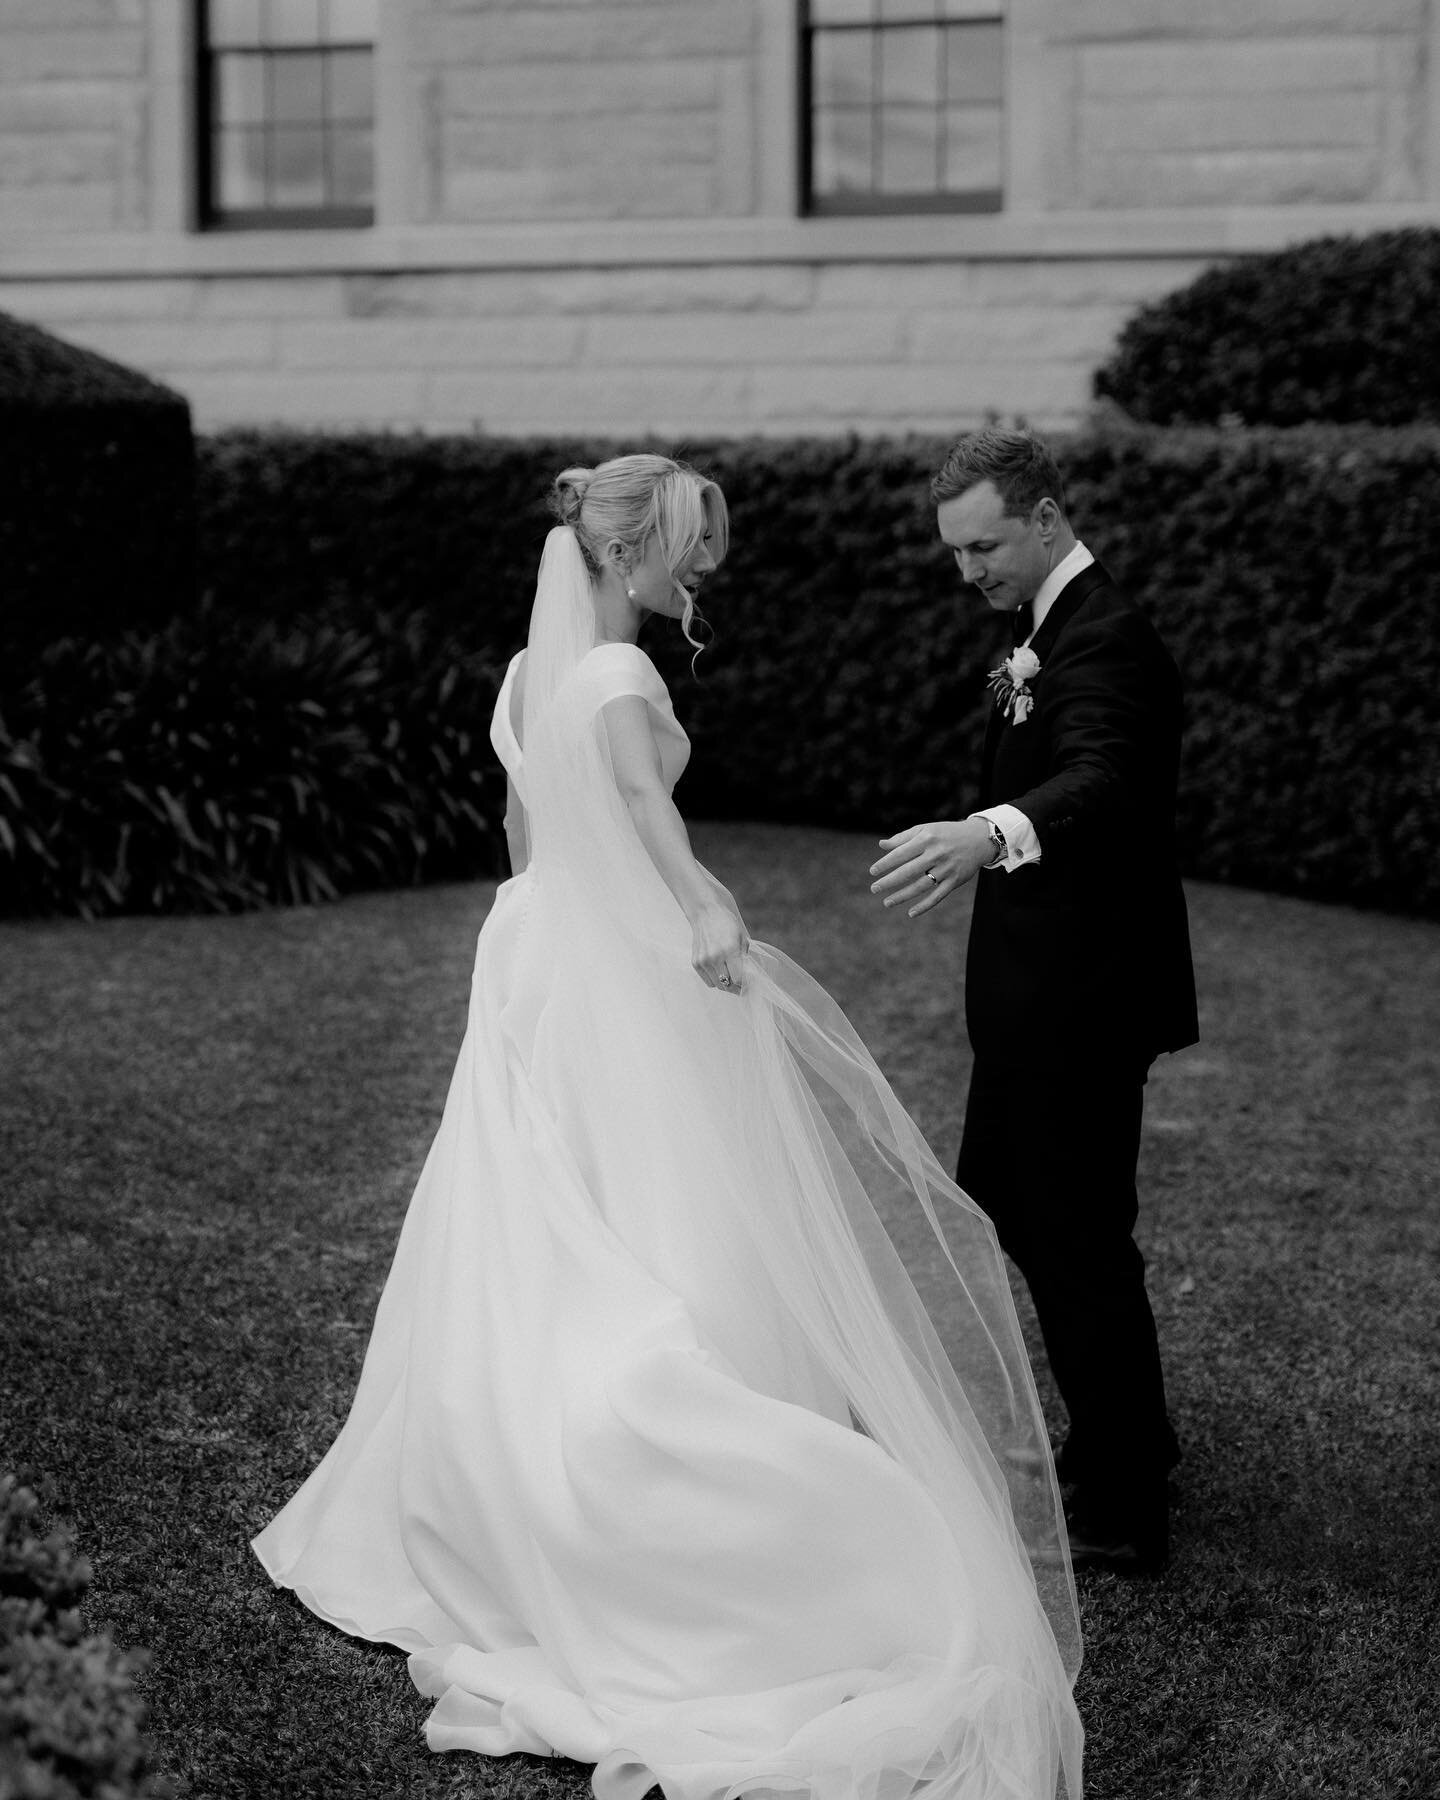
[(1050, 1156)]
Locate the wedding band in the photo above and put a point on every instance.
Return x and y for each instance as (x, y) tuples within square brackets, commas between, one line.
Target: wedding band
[(724, 981), (930, 875)]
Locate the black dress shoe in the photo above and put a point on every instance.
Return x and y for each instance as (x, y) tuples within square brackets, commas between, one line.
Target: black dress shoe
[(1118, 1553)]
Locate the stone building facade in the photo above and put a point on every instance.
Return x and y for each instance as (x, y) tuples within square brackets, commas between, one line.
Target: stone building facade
[(681, 216)]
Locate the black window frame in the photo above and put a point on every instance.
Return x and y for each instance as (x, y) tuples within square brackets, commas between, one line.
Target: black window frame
[(873, 202), (210, 215)]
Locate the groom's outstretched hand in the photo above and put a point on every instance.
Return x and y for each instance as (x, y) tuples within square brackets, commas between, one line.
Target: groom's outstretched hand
[(926, 863)]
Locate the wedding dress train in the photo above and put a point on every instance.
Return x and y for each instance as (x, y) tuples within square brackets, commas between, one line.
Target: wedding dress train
[(656, 1460)]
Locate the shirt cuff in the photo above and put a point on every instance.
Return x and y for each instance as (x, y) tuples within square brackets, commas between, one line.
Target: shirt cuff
[(1022, 843)]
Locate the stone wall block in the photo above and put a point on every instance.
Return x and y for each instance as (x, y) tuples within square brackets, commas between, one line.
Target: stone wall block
[(555, 90), (167, 349), (1241, 177), (942, 393), (61, 15), (1280, 120), (1170, 71), (56, 206), (72, 55), (593, 34), (1404, 107), (645, 165), (632, 401), (53, 109), (905, 285), (132, 163), (1124, 282), (1082, 20), (822, 338), (1057, 334), (58, 305), (30, 157), (356, 400), (274, 297), (436, 344)]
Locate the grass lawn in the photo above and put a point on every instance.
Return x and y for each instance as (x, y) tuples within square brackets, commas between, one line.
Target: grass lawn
[(209, 1130)]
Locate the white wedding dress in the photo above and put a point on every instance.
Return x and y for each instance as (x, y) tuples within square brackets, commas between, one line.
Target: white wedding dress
[(656, 1460)]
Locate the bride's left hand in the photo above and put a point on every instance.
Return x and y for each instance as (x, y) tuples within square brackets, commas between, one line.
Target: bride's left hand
[(720, 942)]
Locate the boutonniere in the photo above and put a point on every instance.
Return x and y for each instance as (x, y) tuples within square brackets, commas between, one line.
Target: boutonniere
[(1010, 683)]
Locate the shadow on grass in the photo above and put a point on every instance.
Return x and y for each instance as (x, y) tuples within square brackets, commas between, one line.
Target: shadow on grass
[(209, 1130)]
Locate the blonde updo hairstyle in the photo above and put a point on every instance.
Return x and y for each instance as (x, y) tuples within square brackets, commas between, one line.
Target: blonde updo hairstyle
[(628, 500)]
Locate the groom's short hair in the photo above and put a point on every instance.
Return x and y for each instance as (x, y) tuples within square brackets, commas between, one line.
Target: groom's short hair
[(1018, 462)]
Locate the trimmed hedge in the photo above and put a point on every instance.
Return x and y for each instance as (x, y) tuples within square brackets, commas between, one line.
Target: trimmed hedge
[(1342, 329), (70, 1719), (97, 520), (215, 767), (1290, 573)]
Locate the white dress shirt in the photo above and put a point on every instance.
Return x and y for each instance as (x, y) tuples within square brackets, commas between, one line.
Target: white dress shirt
[(1022, 843)]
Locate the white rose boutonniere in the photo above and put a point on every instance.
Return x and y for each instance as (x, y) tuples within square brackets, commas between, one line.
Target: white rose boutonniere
[(1010, 683)]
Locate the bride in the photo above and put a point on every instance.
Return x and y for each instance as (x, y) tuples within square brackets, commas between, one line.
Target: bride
[(656, 1459)]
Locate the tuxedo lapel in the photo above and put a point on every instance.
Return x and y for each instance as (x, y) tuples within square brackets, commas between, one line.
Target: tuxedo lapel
[(1067, 603)]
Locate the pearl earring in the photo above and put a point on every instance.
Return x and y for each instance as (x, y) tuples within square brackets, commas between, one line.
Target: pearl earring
[(630, 593)]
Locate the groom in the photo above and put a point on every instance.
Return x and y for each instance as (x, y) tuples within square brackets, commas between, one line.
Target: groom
[(1079, 970)]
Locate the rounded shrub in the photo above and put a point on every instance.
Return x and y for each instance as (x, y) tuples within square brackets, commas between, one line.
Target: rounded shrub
[(209, 769), (70, 1718), (97, 508), (1338, 329)]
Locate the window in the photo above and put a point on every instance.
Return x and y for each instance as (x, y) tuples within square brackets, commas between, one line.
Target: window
[(902, 106), (287, 112)]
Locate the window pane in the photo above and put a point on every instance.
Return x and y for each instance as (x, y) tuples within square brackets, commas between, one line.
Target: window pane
[(352, 167), (908, 150), (297, 168), (841, 162), (351, 21), (235, 22), (298, 88), (239, 169), (841, 12), (239, 97), (974, 67), (294, 21), (842, 67), (972, 148), (910, 65), (352, 85)]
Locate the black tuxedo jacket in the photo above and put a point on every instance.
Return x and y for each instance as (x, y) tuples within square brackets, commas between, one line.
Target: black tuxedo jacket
[(1083, 958)]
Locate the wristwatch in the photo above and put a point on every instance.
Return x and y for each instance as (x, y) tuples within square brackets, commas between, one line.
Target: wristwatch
[(997, 838)]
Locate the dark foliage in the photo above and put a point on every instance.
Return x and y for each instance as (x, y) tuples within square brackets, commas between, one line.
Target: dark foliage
[(212, 767), (1290, 574), (70, 1719), (41, 371), (97, 527), (846, 685), (1341, 329), (1286, 570)]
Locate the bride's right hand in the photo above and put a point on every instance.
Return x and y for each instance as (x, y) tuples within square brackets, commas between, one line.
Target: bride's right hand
[(719, 946)]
